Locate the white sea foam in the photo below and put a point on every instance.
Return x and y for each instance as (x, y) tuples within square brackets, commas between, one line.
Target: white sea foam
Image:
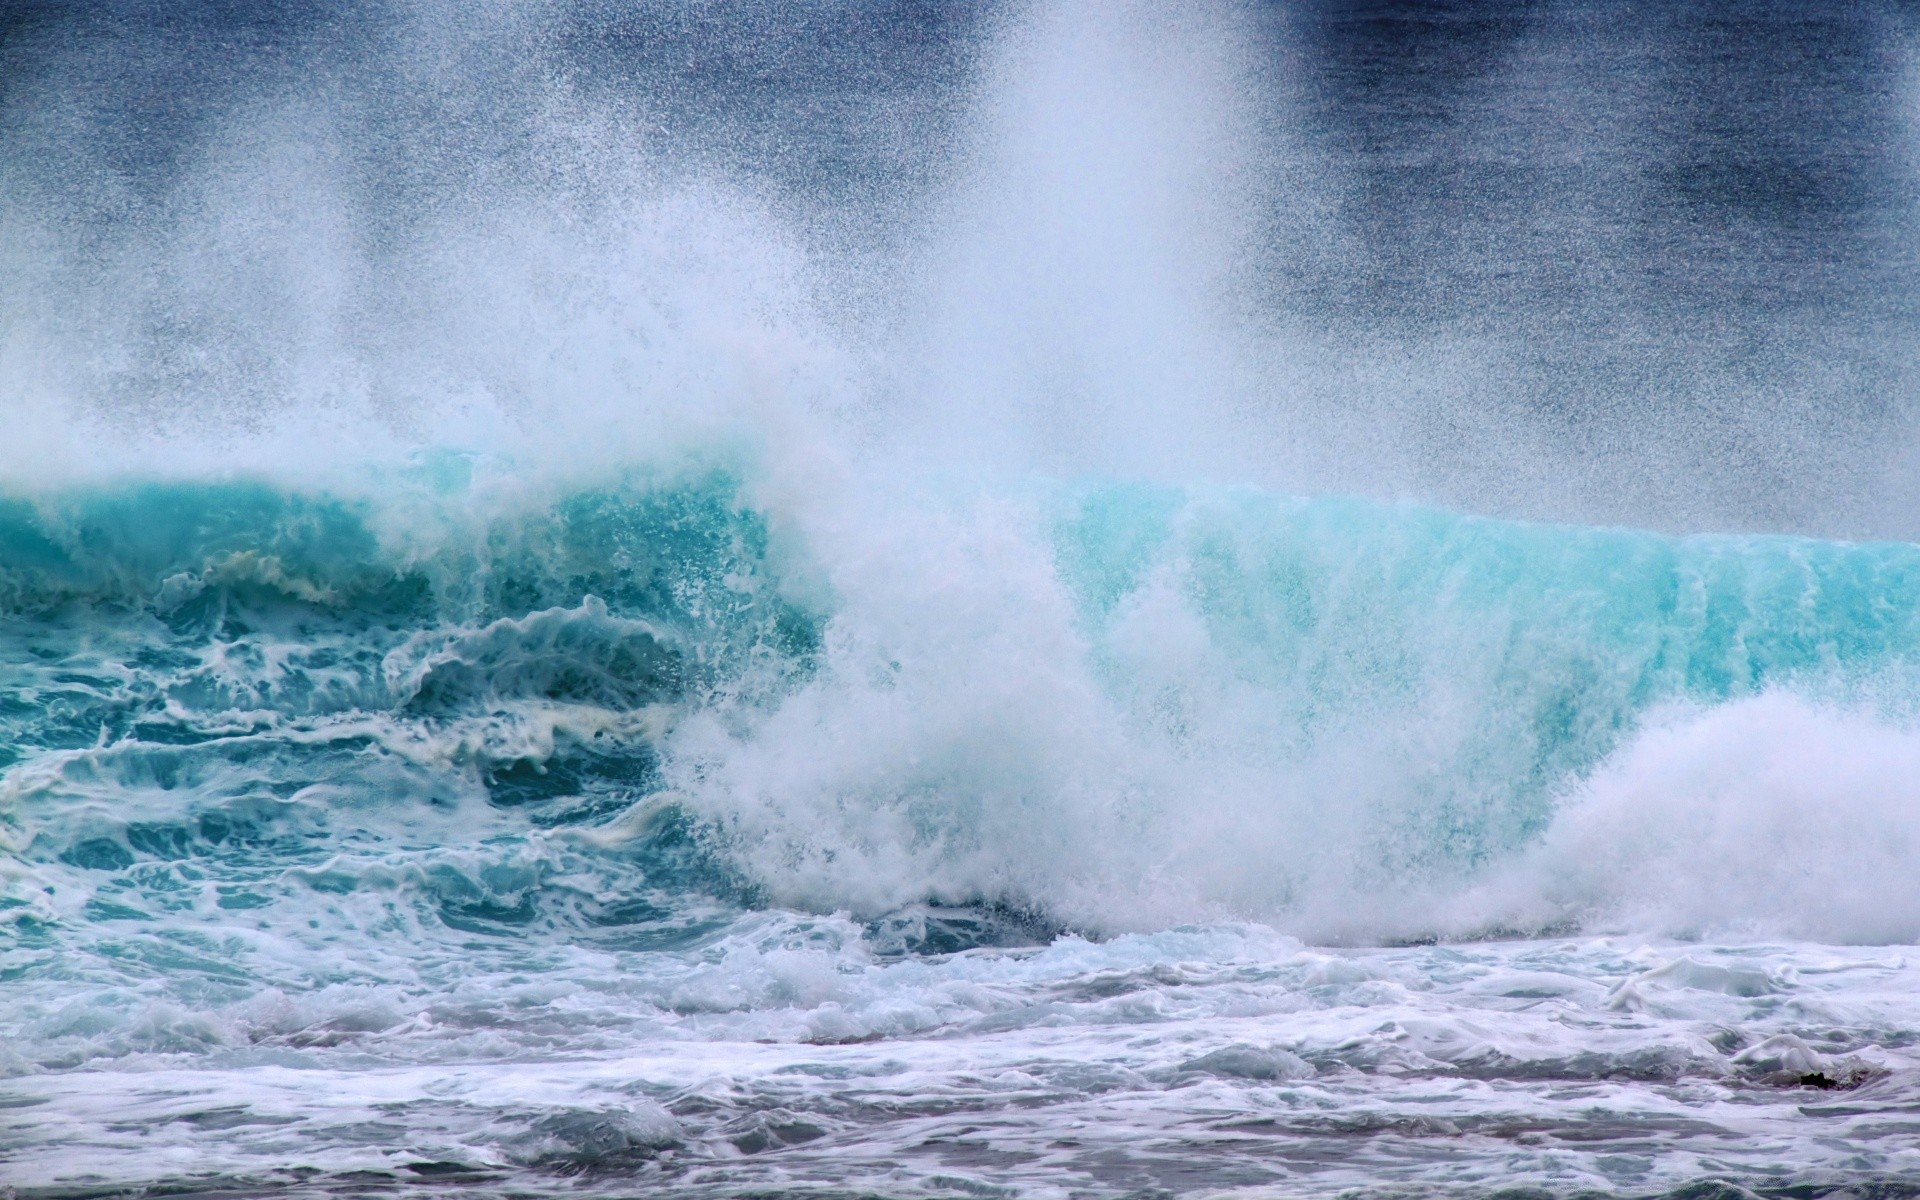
[(786, 1054), (1769, 815)]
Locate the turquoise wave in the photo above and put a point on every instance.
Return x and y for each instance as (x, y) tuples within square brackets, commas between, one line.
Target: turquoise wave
[(292, 700), (174, 568), (236, 699), (1542, 645)]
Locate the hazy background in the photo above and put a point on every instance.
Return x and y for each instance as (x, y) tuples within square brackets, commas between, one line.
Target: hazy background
[(1646, 263)]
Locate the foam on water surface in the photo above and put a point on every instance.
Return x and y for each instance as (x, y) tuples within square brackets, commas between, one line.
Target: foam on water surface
[(783, 1054)]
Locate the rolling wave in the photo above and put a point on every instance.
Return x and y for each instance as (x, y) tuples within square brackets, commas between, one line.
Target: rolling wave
[(1097, 705)]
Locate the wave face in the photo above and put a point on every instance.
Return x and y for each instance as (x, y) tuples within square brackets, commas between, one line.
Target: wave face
[(1104, 707), (490, 821), (250, 694)]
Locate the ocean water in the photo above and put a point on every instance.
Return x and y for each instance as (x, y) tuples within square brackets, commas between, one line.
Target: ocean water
[(1079, 600), (590, 843)]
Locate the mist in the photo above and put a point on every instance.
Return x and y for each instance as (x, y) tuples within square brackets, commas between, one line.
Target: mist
[(1316, 248)]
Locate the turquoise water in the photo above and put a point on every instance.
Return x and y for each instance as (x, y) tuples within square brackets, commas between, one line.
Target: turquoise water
[(219, 690), (394, 787)]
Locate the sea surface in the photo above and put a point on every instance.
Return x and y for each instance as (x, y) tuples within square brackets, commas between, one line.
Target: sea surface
[(1081, 600)]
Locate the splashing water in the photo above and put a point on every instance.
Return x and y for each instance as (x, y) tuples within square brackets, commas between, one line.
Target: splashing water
[(551, 639)]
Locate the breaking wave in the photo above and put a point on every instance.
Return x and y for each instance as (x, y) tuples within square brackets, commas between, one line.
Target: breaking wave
[(1097, 706)]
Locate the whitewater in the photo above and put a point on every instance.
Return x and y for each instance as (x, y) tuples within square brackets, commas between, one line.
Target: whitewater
[(593, 663)]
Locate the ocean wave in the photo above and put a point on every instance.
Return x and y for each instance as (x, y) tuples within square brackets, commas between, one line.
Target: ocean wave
[(1110, 706)]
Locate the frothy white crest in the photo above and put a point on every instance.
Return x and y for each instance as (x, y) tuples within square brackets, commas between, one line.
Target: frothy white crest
[(988, 761), (1772, 816)]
